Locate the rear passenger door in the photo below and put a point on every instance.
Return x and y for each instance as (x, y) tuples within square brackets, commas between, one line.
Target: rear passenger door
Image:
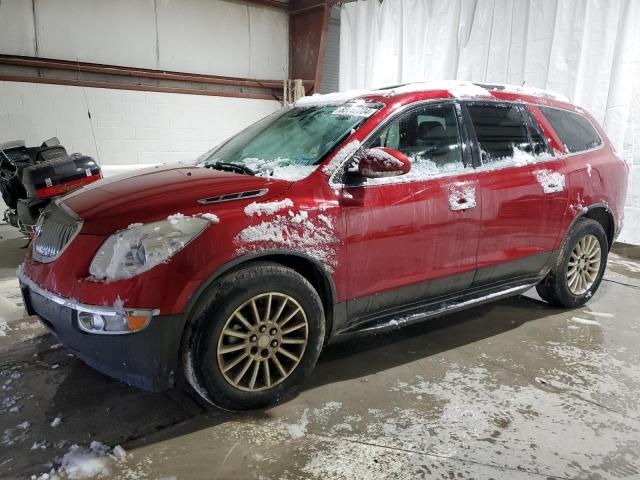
[(522, 190)]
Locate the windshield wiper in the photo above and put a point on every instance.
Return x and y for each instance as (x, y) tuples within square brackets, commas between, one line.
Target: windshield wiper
[(230, 167)]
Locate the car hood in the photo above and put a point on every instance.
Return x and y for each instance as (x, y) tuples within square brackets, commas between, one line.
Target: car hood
[(152, 194)]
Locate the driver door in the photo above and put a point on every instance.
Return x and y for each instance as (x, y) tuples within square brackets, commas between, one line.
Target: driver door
[(413, 238)]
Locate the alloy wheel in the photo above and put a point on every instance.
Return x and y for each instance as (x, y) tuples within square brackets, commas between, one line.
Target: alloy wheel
[(584, 264), (262, 342)]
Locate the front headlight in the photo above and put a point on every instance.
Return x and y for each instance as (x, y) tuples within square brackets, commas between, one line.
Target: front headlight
[(139, 248)]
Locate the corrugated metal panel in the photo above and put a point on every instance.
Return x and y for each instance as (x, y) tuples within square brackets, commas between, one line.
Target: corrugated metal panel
[(331, 69)]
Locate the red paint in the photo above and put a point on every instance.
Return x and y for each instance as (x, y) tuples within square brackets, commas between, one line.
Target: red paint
[(386, 236), (384, 162), (62, 188)]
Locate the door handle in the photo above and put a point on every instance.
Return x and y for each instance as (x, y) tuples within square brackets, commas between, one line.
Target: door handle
[(461, 203)]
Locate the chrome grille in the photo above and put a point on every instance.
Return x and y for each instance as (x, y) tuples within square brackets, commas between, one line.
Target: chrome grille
[(56, 228)]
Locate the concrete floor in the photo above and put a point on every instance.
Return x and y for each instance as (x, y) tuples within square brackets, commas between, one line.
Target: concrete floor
[(511, 390)]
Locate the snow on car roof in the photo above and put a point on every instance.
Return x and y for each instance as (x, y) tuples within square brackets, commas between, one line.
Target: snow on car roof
[(457, 89)]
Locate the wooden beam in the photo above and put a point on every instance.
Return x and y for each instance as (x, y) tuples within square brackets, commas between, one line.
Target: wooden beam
[(54, 64), (308, 27), (137, 87), (270, 3)]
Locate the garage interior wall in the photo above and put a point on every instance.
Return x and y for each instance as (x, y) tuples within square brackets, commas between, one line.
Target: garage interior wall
[(125, 128), (588, 50)]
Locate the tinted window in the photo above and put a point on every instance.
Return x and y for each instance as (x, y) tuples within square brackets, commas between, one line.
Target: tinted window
[(575, 131), (538, 141), (500, 131), (429, 136)]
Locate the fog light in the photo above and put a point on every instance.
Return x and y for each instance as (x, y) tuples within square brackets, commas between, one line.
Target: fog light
[(91, 322), (117, 323)]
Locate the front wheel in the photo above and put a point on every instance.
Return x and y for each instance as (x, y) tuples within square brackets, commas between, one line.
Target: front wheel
[(579, 268), (259, 338)]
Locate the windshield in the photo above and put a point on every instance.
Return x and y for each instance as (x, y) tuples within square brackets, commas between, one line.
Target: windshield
[(289, 143)]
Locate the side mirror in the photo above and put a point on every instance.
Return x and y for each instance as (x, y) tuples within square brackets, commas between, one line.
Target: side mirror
[(382, 162), (52, 142)]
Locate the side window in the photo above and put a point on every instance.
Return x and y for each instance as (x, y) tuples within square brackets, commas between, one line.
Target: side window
[(429, 136), (500, 131), (574, 130), (538, 141)]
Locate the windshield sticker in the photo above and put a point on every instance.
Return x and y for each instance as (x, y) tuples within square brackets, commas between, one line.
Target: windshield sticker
[(354, 111)]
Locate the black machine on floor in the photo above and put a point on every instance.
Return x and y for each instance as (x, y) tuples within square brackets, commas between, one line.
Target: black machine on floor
[(30, 177)]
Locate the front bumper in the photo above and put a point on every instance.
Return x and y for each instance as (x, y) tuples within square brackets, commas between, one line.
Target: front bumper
[(146, 359)]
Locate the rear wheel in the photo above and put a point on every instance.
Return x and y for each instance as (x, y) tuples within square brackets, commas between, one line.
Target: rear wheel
[(579, 268), (260, 336)]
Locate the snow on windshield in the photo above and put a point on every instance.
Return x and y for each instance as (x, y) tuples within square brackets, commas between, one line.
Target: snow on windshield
[(289, 144), (282, 168)]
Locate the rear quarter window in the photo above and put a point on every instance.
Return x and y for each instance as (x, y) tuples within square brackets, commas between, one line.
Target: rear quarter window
[(575, 131)]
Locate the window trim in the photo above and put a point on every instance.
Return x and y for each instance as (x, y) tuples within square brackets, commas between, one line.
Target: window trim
[(588, 120), (478, 165), (566, 154), (526, 113), (465, 139)]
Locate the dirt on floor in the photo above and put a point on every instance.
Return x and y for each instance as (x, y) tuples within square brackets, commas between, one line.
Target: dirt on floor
[(511, 390)]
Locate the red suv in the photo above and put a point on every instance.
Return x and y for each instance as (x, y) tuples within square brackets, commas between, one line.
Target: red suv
[(339, 216)]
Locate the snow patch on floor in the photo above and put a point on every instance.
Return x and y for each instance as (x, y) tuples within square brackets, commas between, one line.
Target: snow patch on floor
[(9, 310), (299, 429), (629, 265), (96, 461), (584, 321), (600, 314)]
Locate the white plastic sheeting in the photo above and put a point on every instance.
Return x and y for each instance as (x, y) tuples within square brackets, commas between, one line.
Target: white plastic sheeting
[(588, 50)]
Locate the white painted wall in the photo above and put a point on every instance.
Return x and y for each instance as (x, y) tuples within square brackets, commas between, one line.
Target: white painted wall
[(131, 128), (216, 37)]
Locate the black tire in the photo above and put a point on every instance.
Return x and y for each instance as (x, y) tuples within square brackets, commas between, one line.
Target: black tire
[(555, 286), (227, 295)]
